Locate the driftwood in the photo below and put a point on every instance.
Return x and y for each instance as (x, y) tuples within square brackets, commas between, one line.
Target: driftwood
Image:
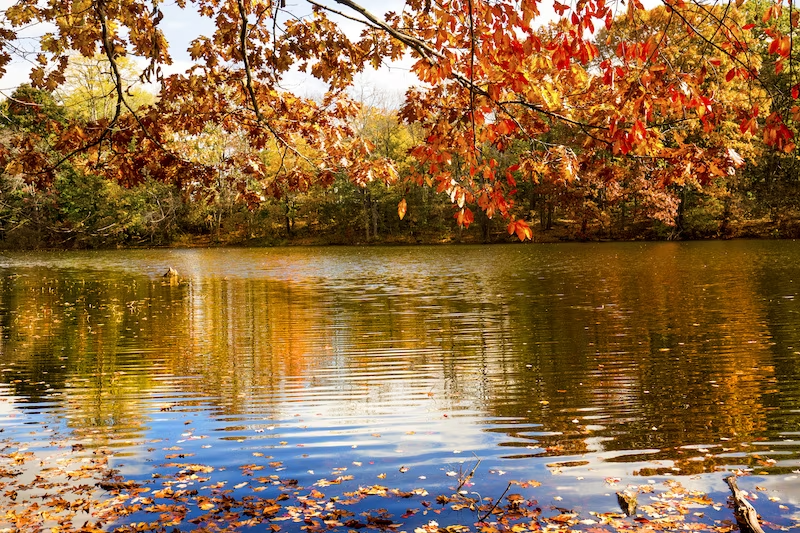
[(627, 502), (746, 515)]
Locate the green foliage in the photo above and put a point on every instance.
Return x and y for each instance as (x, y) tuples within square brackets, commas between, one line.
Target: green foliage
[(93, 212), (30, 109)]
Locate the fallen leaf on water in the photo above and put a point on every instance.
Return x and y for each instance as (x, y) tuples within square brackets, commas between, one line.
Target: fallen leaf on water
[(563, 518)]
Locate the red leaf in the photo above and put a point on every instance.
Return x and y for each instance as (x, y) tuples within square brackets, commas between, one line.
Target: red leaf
[(774, 45), (560, 8), (464, 217), (524, 231)]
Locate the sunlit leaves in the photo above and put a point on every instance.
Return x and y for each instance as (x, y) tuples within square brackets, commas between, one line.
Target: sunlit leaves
[(402, 207), (495, 85), (521, 229), (777, 134)]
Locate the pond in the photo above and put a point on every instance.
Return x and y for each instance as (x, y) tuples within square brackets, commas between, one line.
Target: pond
[(398, 388)]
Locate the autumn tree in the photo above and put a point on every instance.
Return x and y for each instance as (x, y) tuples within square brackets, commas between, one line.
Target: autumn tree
[(88, 91), (76, 207), (491, 78), (771, 183), (664, 187)]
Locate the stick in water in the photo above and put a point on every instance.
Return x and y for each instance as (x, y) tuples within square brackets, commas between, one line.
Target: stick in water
[(746, 515)]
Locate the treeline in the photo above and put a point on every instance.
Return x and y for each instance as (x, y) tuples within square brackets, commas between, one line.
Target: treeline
[(82, 209)]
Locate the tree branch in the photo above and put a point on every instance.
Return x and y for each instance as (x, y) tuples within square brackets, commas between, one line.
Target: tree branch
[(243, 44), (243, 30), (431, 55)]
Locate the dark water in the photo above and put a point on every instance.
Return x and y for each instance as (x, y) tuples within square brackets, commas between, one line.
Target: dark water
[(565, 364)]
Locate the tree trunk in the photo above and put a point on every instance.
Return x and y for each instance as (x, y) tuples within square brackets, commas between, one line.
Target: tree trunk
[(680, 219), (289, 218), (365, 203), (485, 226), (374, 208), (726, 215)]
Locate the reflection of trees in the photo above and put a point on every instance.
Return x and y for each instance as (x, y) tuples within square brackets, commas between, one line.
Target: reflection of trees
[(670, 356), (75, 332), (782, 309), (587, 349)]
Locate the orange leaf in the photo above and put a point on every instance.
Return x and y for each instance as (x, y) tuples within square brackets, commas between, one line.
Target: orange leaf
[(785, 46), (464, 217), (524, 231), (401, 208), (521, 228), (560, 8)]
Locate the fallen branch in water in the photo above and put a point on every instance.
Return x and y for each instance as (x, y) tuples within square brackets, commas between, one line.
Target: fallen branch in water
[(484, 517), (746, 515)]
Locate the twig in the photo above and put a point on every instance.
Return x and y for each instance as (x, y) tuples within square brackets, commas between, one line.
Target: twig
[(484, 517), (465, 480), (472, 74)]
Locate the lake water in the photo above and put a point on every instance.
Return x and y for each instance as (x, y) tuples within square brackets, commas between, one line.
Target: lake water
[(280, 373)]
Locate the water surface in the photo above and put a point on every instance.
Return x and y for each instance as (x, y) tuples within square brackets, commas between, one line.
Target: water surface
[(574, 365)]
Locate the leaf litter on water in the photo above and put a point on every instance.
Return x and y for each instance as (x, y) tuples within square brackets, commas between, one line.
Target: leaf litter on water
[(81, 492)]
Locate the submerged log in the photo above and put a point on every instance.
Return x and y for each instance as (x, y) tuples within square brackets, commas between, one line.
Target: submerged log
[(746, 515)]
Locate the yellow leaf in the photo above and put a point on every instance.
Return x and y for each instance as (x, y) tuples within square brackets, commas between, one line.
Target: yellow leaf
[(401, 208)]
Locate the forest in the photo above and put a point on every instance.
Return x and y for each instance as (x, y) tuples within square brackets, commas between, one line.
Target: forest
[(612, 122)]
